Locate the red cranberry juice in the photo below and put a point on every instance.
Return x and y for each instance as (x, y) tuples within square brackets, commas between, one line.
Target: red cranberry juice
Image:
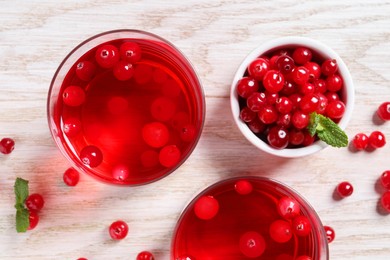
[(242, 217), (141, 128)]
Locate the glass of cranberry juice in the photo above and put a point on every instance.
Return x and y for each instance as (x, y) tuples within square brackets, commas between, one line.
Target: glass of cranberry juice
[(249, 218), (126, 107)]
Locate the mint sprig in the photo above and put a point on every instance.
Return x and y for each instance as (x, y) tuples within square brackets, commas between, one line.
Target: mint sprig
[(327, 130), (22, 214)]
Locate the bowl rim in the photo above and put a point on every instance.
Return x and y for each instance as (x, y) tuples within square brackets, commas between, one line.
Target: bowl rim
[(321, 49)]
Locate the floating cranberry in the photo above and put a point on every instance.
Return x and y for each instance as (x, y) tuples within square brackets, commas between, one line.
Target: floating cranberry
[(330, 234), (91, 156), (145, 255), (206, 207), (280, 231), (257, 68), (118, 230), (130, 52), (123, 70), (247, 86), (301, 226), (72, 126), (252, 244), (73, 96), (384, 111), (385, 179), (360, 141), (188, 133), (169, 156), (120, 172), (344, 189), (377, 139), (155, 134), (85, 70), (288, 207), (107, 56), (35, 202), (33, 219), (243, 187), (7, 145), (71, 177)]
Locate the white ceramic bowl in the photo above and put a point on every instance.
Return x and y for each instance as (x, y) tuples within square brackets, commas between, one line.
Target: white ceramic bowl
[(347, 93)]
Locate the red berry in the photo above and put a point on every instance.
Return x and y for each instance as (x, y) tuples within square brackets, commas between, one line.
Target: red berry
[(271, 97), (7, 145), (385, 201), (256, 101), (273, 81), (107, 56), (35, 202), (278, 137), (246, 86), (145, 255), (314, 70), (301, 55), (300, 120), (130, 52), (289, 88), (385, 179), (301, 226), (243, 187), (268, 114), (384, 111), (123, 70), (329, 67), (33, 219), (320, 86), (188, 133), (73, 96), (300, 75), (169, 156), (155, 134), (82, 258), (85, 70), (91, 156), (71, 177), (285, 64), (206, 207), (288, 208), (360, 141), (272, 62), (257, 68), (252, 244), (118, 230), (344, 189), (308, 139), (332, 96), (256, 126), (334, 83), (284, 120), (72, 126), (296, 137), (280, 231), (247, 115), (163, 109), (330, 234), (335, 109), (284, 105), (120, 172), (377, 139), (309, 103), (307, 88)]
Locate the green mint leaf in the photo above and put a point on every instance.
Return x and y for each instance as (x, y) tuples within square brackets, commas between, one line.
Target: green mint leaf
[(21, 191), (327, 130), (22, 220)]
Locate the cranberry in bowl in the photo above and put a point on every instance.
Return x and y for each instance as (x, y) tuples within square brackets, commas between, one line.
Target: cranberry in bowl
[(126, 107), (292, 97)]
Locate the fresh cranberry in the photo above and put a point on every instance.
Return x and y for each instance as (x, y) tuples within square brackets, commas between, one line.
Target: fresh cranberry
[(268, 114), (335, 109), (301, 75), (271, 97), (284, 120), (385, 201), (247, 115), (284, 105), (7, 145), (256, 101), (72, 126), (91, 155), (272, 62), (120, 172), (330, 234), (107, 56), (344, 189), (301, 226), (314, 70), (273, 81), (257, 68), (123, 70), (85, 70), (256, 126), (360, 141), (243, 187), (82, 258), (278, 137), (300, 119), (289, 88), (334, 83), (252, 244), (169, 155), (385, 179), (307, 88), (308, 139), (288, 207), (322, 105), (301, 55), (145, 255), (384, 111), (206, 207), (295, 99), (33, 219), (285, 64), (118, 230), (73, 96), (130, 52), (320, 86), (247, 86), (296, 137), (71, 177), (149, 158), (332, 96), (280, 231), (163, 109), (155, 134), (35, 202), (309, 103), (329, 67), (376, 139)]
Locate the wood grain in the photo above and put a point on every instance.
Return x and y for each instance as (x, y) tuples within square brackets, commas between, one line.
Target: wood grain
[(215, 35)]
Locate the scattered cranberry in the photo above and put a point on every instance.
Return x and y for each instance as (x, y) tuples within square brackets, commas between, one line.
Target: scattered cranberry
[(243, 187), (145, 255), (344, 189), (91, 156), (288, 207), (385, 201), (169, 155), (85, 70), (280, 231), (385, 179), (360, 141), (73, 96), (155, 134), (107, 56), (118, 230), (7, 145), (35, 202), (206, 207), (330, 234), (71, 177), (376, 139), (301, 226), (384, 111), (123, 70), (33, 219), (130, 52), (252, 244)]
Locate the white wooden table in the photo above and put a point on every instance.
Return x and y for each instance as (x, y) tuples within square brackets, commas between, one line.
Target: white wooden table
[(215, 35)]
